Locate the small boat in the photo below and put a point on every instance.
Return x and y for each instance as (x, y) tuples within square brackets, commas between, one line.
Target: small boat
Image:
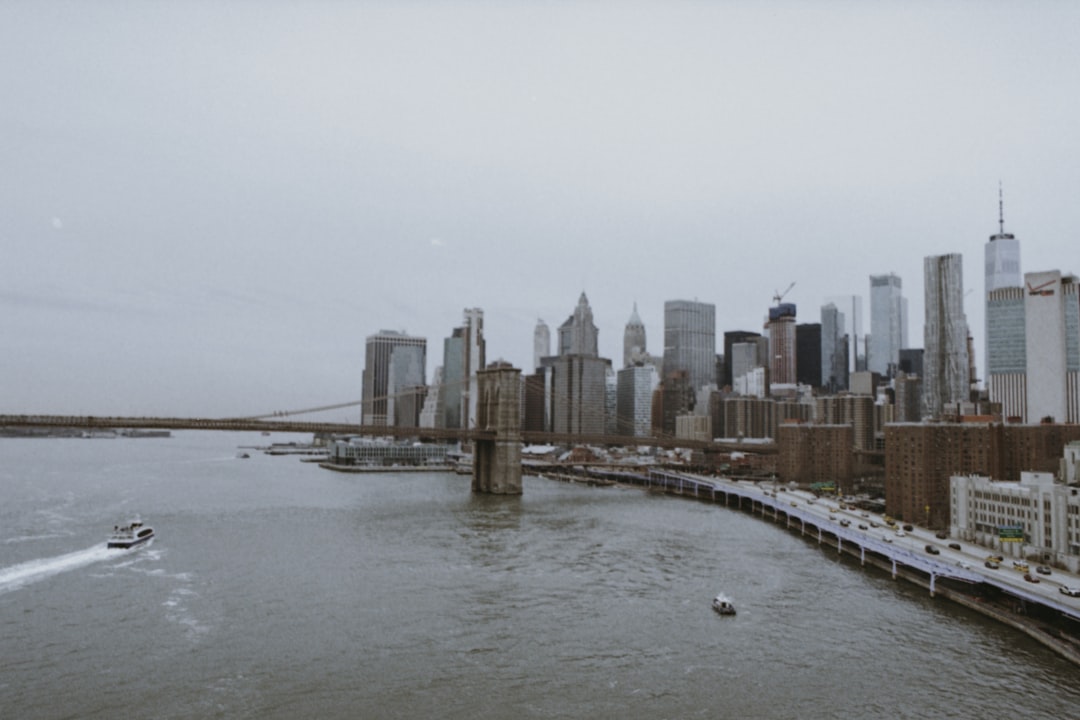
[(723, 605), (130, 535)]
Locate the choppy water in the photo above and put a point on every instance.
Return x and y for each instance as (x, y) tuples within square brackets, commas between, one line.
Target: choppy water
[(276, 589)]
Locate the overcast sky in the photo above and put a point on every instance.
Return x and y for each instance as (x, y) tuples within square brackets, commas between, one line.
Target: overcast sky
[(206, 207)]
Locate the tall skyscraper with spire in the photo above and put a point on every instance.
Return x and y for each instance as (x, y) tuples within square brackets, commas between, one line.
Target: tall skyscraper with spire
[(633, 339), (1004, 329), (579, 376), (946, 367), (579, 335), (1002, 255)]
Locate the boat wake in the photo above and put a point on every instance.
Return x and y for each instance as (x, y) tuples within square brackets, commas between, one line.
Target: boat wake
[(32, 571)]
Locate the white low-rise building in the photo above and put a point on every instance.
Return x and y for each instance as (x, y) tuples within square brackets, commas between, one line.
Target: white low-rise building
[(1042, 513)]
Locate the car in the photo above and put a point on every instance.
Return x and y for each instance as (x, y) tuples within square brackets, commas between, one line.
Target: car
[(955, 546), (932, 550), (900, 533), (1030, 578), (941, 535), (794, 504), (1020, 566), (992, 565), (1043, 570), (909, 528), (962, 564), (996, 558), (845, 522), (886, 538), (874, 524), (862, 526), (865, 514), (1071, 592)]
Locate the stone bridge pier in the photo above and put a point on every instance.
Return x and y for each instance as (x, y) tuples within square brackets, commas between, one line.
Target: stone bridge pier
[(497, 449)]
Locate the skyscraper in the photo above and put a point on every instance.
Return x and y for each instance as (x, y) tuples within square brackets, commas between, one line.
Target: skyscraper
[(1002, 324), (1035, 349), (633, 406), (1002, 255), (1006, 352), (834, 357), (945, 335), (633, 339), (579, 335), (1052, 320), (541, 343), (463, 356), (579, 376), (782, 348), (850, 306), (808, 354), (690, 341), (886, 324), (731, 338), (393, 362)]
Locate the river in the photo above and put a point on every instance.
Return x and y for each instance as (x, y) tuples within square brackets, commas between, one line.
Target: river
[(276, 589)]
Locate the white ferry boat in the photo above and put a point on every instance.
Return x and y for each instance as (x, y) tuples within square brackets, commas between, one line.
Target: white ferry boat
[(130, 535)]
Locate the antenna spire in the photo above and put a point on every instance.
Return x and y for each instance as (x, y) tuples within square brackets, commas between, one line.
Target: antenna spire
[(1001, 211)]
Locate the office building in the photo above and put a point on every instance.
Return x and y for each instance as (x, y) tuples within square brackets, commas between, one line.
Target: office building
[(579, 335), (1034, 349), (887, 325), (834, 349), (463, 356), (579, 394), (634, 395), (782, 348), (808, 354), (1002, 253), (541, 343), (633, 339), (851, 309), (731, 338), (393, 362), (1035, 516), (946, 366), (690, 341)]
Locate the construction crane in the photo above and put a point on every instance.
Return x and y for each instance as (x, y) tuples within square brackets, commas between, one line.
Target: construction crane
[(780, 295)]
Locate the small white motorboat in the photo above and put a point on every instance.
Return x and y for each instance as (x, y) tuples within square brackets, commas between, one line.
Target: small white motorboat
[(130, 535), (723, 605)]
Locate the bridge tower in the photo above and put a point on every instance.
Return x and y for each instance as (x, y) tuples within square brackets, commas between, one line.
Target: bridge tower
[(497, 448)]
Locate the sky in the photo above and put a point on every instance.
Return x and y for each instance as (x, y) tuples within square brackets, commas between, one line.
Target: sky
[(206, 207)]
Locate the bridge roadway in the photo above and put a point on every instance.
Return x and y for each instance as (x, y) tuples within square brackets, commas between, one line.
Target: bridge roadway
[(801, 510), (289, 425)]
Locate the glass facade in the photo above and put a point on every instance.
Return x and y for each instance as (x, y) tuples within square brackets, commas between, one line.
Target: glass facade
[(690, 341)]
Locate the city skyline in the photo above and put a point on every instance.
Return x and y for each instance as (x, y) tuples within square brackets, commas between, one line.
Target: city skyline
[(207, 210)]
